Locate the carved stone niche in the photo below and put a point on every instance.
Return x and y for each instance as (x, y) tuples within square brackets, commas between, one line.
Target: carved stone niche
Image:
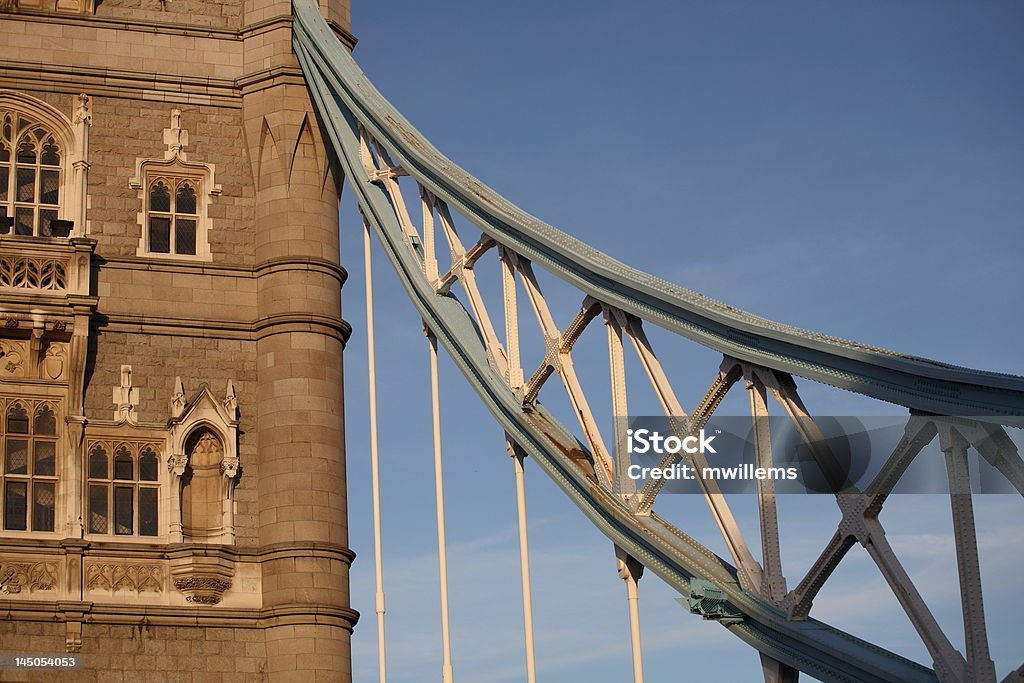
[(204, 469), (204, 466)]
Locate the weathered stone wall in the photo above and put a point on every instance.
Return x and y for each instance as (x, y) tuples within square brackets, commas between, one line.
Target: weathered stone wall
[(126, 654), (264, 312), (219, 13)]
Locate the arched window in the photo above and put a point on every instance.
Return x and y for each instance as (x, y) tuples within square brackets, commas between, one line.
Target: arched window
[(30, 176), (30, 467), (123, 501), (176, 194), (173, 216)]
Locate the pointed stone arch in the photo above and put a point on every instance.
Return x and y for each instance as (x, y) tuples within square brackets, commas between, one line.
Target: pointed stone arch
[(268, 160), (71, 138), (204, 468), (304, 158)]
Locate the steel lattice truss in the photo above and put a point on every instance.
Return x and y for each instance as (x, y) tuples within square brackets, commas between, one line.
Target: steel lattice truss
[(379, 151)]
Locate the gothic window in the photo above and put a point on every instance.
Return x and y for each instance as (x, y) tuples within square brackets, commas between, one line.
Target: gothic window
[(30, 176), (175, 196), (123, 490), (173, 215), (29, 472)]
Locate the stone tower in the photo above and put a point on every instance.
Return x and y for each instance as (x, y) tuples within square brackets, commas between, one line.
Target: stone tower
[(172, 469)]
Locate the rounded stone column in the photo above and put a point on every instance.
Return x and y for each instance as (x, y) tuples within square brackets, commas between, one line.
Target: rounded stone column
[(300, 340)]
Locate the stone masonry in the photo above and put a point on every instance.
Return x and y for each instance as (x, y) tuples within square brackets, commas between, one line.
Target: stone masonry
[(244, 342)]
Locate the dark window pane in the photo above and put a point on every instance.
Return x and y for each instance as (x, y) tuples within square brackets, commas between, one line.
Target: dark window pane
[(44, 458), (27, 152), (16, 457), (160, 235), (26, 185), (24, 221), (17, 420), (45, 216), (98, 463), (5, 153), (185, 199), (147, 466), (16, 505), (42, 506), (123, 510), (97, 509), (49, 187), (51, 153), (184, 236), (46, 422), (160, 198), (147, 512), (5, 179), (123, 466)]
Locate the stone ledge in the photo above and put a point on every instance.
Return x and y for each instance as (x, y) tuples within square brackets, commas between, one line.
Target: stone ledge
[(100, 613)]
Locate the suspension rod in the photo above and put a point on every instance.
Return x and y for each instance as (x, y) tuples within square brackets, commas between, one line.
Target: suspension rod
[(442, 548), (524, 556), (371, 364), (630, 571)]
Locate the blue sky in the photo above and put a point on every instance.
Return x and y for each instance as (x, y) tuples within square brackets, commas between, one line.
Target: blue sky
[(852, 168)]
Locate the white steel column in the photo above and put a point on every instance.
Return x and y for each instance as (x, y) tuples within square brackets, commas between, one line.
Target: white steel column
[(524, 557), (630, 571), (447, 675), (374, 464)]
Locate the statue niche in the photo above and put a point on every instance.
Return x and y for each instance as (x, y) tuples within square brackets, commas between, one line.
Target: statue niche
[(204, 488)]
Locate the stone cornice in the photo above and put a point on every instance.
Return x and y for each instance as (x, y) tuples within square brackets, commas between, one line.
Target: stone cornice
[(268, 78), (159, 615), (224, 329), (169, 27), (235, 270), (179, 327), (141, 25), (172, 266), (309, 263), (121, 550), (124, 83), (303, 322)]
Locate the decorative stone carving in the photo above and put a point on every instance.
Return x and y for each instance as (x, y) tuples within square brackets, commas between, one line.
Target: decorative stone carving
[(178, 398), (73, 636), (22, 272), (230, 401), (30, 576), (176, 464), (126, 397), (53, 361), (12, 358), (83, 110), (135, 578), (202, 590), (202, 577), (9, 582)]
